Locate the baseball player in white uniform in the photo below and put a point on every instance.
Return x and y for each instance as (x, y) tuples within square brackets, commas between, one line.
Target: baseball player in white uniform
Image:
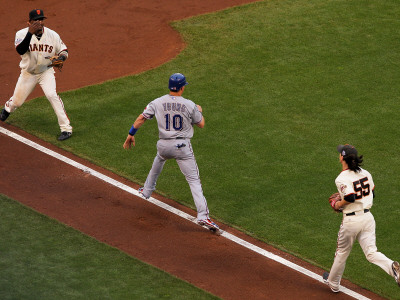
[(37, 44), (357, 190), (175, 118)]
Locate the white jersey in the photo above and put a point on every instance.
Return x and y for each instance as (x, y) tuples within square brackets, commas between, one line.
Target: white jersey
[(358, 183), (175, 116), (34, 60)]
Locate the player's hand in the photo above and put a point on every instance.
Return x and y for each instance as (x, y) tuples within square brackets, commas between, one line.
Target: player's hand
[(199, 108), (35, 27), (129, 142), (333, 200)]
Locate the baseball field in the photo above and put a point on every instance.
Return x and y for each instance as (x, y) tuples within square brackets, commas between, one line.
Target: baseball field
[(281, 83)]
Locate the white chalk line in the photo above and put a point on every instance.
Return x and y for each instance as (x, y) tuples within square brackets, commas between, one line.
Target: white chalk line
[(173, 210)]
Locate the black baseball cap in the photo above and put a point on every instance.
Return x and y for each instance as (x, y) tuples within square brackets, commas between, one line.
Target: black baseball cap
[(347, 149), (36, 14)]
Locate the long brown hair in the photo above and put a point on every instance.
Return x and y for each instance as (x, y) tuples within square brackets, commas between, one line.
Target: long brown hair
[(354, 162)]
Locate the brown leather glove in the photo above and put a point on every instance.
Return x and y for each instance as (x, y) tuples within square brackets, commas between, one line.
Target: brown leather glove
[(57, 62)]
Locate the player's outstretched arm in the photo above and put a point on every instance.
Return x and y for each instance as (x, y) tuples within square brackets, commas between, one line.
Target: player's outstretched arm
[(139, 121), (129, 142), (130, 139)]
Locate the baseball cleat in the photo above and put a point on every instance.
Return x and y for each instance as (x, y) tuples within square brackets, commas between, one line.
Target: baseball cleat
[(64, 135), (140, 191), (209, 224), (4, 115), (396, 271), (325, 278)]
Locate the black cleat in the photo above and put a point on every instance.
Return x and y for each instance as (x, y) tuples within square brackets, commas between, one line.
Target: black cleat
[(325, 276), (4, 115), (64, 135)]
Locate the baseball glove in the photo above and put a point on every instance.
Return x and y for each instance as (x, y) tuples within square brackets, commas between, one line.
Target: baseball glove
[(57, 62), (333, 199)]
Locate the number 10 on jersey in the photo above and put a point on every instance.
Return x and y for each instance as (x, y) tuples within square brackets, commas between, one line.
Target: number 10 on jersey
[(176, 121)]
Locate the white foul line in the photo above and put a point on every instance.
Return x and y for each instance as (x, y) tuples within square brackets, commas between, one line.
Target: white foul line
[(178, 212)]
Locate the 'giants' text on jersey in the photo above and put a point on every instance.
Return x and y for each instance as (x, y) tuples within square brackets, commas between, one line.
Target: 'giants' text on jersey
[(40, 48)]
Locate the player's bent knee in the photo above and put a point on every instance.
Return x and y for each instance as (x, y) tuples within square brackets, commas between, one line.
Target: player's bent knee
[(370, 257)]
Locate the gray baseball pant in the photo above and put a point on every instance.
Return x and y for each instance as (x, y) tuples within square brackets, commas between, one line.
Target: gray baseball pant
[(180, 150)]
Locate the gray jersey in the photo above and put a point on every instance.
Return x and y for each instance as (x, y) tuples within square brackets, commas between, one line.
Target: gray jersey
[(175, 116)]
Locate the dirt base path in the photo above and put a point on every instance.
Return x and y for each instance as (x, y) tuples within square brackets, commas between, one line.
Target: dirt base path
[(109, 39)]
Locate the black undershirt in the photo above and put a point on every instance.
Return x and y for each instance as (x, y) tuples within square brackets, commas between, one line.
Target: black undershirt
[(23, 47), (352, 197)]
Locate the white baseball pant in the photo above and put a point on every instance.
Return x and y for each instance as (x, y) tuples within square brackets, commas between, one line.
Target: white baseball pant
[(361, 227), (47, 81)]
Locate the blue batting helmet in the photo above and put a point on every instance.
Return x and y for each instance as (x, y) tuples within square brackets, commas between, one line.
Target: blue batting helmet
[(176, 81)]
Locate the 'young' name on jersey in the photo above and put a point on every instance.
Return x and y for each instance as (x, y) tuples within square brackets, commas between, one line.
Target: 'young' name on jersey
[(174, 106)]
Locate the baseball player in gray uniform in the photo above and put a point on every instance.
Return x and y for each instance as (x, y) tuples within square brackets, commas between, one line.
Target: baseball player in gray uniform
[(175, 118), (37, 44), (357, 190)]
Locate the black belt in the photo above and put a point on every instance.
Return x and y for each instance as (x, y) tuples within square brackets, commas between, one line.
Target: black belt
[(353, 213), (175, 138)]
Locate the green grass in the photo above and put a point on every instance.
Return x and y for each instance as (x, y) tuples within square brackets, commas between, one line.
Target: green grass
[(281, 84), (43, 259)]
